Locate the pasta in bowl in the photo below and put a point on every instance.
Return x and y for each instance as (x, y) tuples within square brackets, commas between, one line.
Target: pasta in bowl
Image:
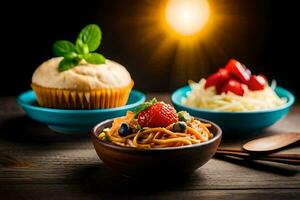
[(181, 146), (176, 134)]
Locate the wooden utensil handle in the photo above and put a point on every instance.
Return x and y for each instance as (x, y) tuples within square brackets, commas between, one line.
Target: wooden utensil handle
[(277, 155), (279, 160), (292, 159)]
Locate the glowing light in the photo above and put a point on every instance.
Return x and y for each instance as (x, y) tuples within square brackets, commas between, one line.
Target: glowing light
[(187, 17)]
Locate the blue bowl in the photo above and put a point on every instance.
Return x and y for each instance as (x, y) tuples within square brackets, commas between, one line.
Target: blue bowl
[(237, 121), (74, 121)]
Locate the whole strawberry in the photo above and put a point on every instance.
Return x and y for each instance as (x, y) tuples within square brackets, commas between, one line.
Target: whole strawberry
[(156, 114)]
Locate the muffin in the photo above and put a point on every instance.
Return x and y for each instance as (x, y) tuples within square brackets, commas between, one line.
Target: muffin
[(85, 86)]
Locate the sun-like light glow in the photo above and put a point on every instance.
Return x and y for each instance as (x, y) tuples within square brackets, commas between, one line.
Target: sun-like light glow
[(187, 17)]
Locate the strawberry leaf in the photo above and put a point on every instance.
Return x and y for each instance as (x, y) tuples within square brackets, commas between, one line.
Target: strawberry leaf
[(144, 106)]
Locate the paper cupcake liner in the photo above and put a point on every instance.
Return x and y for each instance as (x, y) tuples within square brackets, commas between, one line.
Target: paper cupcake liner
[(76, 99)]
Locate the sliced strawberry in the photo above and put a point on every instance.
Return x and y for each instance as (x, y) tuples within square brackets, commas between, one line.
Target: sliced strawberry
[(224, 73), (247, 70), (234, 87), (217, 79), (238, 70), (212, 80), (257, 82), (158, 114)]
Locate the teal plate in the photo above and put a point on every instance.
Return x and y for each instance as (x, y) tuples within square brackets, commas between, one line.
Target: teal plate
[(74, 121), (237, 121)]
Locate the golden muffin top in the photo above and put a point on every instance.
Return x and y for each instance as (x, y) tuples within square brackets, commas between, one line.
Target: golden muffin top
[(84, 76)]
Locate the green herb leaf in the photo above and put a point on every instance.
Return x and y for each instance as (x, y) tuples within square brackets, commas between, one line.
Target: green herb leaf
[(144, 106), (62, 47), (66, 64), (94, 58), (90, 35), (87, 41), (139, 128), (184, 116), (106, 139), (71, 55), (153, 100), (82, 48)]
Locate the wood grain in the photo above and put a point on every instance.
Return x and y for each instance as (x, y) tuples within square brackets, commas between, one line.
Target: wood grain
[(36, 163)]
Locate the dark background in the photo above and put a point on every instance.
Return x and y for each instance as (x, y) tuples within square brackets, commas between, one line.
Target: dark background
[(260, 33)]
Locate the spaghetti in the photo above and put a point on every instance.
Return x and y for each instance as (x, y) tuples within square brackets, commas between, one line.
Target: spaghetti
[(191, 131)]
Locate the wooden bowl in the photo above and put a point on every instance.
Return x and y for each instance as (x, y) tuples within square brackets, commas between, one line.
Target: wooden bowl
[(158, 161)]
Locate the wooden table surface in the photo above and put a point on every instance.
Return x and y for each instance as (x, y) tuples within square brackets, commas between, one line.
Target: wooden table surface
[(37, 163)]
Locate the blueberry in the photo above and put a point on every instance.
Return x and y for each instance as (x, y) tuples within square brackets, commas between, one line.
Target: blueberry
[(124, 130), (179, 127)]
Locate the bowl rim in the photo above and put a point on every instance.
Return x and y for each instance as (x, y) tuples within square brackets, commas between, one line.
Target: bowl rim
[(25, 104), (132, 149), (290, 97)]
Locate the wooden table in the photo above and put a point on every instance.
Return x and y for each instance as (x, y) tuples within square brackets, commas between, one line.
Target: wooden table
[(37, 163)]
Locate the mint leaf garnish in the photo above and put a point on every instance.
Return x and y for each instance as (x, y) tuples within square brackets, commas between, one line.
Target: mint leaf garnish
[(90, 35), (62, 47), (87, 42), (82, 48), (94, 58), (66, 64)]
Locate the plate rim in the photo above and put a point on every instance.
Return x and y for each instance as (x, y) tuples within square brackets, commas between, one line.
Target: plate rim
[(25, 104)]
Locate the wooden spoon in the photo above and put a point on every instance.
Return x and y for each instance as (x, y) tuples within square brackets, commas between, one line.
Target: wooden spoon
[(271, 143)]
